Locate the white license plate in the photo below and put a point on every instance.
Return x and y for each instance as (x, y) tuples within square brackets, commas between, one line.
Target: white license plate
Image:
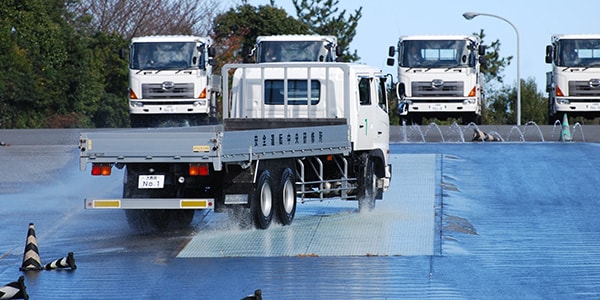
[(436, 107), (169, 108), (151, 181)]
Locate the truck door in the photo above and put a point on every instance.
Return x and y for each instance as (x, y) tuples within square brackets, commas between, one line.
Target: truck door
[(373, 120)]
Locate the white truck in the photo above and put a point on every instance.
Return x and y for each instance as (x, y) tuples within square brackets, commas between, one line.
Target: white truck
[(169, 81), (291, 131), (439, 77), (296, 48), (573, 85)]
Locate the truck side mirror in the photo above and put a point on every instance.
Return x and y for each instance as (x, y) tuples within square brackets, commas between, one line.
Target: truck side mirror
[(481, 50), (548, 54), (211, 51), (390, 61), (391, 51), (483, 60), (400, 90), (339, 51)]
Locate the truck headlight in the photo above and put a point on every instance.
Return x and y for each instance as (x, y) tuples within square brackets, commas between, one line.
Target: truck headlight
[(563, 101), (469, 101), (200, 103), (137, 103)]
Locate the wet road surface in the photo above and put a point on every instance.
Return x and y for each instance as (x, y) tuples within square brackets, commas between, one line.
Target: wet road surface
[(511, 220)]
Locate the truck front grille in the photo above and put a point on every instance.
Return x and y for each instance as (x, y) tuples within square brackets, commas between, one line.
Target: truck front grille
[(431, 89), (584, 88), (178, 91)]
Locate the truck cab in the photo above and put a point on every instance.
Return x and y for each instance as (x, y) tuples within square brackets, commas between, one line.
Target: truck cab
[(169, 81), (305, 91), (439, 77), (296, 48), (573, 85)]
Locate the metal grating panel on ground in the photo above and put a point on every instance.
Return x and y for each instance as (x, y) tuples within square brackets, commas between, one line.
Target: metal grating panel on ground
[(402, 223)]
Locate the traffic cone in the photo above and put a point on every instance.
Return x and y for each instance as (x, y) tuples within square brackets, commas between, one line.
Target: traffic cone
[(14, 290), (565, 134), (31, 256), (62, 263)]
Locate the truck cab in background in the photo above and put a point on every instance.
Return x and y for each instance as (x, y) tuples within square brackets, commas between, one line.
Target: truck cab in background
[(439, 77), (573, 85), (170, 81), (296, 48)]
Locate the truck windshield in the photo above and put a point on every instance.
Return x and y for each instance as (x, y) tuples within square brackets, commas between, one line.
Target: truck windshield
[(290, 51), (578, 53), (435, 54), (163, 56)]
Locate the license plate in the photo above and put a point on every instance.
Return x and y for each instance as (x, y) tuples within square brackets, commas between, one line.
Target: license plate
[(151, 181), (436, 107), (169, 108)]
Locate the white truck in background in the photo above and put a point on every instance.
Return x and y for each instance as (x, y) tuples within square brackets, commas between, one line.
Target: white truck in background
[(296, 48), (439, 77), (303, 130), (573, 85), (170, 81)]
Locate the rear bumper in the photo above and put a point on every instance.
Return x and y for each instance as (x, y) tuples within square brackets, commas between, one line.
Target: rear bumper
[(149, 203)]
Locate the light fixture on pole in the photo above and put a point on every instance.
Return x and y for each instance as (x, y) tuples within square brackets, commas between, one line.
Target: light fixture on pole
[(471, 15)]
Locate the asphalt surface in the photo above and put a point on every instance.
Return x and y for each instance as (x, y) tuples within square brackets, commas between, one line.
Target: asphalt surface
[(516, 220)]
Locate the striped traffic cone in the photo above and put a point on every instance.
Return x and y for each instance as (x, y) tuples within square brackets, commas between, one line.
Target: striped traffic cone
[(14, 290), (62, 263), (565, 135), (31, 256)]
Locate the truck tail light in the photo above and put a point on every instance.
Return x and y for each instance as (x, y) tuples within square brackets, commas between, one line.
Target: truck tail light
[(199, 170), (132, 94), (473, 92), (559, 93), (101, 169), (203, 93)]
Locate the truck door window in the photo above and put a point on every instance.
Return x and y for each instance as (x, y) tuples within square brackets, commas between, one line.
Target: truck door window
[(381, 96), (364, 91), (297, 92)]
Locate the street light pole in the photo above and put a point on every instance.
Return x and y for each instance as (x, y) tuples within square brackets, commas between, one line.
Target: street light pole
[(471, 15)]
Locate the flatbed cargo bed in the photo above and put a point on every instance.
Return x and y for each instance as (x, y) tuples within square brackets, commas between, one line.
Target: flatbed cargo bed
[(235, 141)]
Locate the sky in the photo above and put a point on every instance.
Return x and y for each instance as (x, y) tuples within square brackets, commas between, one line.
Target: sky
[(384, 21)]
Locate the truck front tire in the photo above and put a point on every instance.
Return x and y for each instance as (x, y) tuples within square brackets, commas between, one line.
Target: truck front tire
[(367, 188)]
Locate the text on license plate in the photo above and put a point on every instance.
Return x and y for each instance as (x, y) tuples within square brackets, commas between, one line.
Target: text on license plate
[(151, 181)]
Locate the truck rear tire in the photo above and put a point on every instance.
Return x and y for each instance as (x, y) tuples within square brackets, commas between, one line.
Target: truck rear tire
[(367, 185), (285, 197), (261, 205)]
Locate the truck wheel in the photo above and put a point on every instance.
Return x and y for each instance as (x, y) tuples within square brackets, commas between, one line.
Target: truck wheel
[(261, 205), (367, 187), (285, 197)]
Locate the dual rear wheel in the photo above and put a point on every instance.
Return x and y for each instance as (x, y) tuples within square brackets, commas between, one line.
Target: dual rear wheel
[(271, 198)]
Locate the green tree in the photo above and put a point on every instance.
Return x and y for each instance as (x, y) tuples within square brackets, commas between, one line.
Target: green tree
[(34, 84), (495, 64), (236, 30), (323, 18), (502, 107)]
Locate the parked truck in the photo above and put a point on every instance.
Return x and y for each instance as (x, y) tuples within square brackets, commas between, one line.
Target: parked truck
[(169, 81), (296, 48), (439, 77), (573, 85), (291, 131)]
